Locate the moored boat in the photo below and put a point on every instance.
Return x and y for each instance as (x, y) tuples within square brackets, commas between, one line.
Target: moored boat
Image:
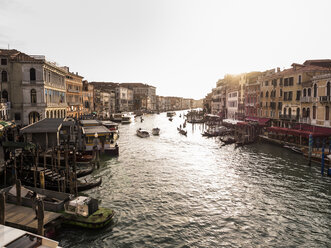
[(117, 117), (171, 113), (156, 131), (142, 133), (126, 119), (182, 131)]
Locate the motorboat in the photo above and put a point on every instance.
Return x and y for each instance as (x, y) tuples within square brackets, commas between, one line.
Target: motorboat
[(117, 117), (142, 133), (126, 119), (13, 237), (156, 131), (171, 113), (182, 131)]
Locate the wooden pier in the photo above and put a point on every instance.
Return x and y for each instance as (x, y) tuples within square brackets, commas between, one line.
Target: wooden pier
[(25, 218)]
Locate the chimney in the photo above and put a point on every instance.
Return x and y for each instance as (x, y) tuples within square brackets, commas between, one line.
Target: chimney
[(278, 69)]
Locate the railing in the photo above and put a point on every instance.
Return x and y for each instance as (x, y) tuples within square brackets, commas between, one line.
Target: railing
[(289, 117), (305, 120), (306, 99), (73, 90), (325, 98)]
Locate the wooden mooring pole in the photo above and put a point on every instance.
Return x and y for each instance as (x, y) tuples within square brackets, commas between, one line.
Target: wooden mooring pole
[(18, 192), (40, 217), (2, 208)]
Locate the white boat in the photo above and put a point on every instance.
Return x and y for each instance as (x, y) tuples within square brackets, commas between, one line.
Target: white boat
[(142, 133), (126, 119), (156, 131), (13, 237), (117, 117), (171, 113)]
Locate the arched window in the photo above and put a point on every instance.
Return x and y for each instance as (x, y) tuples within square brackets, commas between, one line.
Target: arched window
[(34, 117), (33, 94), (267, 94), (315, 90), (4, 76), (327, 113), (289, 112), (4, 95), (47, 114), (298, 112), (308, 113), (32, 74), (309, 91), (51, 114), (328, 92), (304, 92), (314, 112), (304, 112), (284, 111), (58, 114)]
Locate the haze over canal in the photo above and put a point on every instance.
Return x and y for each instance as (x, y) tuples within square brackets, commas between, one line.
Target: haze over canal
[(177, 191)]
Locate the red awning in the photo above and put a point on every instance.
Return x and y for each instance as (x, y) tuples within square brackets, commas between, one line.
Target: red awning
[(296, 132), (261, 121)]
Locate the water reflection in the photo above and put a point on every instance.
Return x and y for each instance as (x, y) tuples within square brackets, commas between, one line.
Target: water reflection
[(177, 191)]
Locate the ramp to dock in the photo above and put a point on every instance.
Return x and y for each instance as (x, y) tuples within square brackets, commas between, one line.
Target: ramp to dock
[(24, 218)]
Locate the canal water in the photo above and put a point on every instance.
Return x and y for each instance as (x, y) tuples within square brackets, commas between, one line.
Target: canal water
[(177, 191)]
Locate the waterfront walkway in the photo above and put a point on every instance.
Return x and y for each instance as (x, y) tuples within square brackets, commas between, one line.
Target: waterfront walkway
[(24, 217)]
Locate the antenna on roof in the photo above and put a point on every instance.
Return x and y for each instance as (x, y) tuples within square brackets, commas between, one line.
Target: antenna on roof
[(8, 46)]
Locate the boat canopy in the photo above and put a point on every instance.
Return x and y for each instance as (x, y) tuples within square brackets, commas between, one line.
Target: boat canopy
[(86, 123), (91, 130)]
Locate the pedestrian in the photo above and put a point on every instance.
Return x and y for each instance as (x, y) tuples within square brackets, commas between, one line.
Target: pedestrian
[(35, 198)]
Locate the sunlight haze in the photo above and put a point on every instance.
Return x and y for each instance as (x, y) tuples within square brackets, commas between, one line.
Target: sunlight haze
[(181, 47)]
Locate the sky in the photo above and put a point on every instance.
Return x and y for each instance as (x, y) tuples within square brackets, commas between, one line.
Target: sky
[(180, 46)]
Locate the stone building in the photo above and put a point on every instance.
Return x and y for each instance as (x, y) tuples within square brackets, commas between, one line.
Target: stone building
[(32, 87), (88, 99), (74, 94), (144, 96)]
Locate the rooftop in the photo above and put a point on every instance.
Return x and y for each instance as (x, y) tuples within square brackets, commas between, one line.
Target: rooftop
[(44, 126)]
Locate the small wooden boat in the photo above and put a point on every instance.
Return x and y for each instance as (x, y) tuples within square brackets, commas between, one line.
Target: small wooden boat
[(156, 131), (171, 113), (182, 131), (227, 140), (142, 133), (170, 119)]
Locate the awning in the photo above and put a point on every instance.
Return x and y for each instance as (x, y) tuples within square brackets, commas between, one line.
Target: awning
[(261, 121), (296, 132)]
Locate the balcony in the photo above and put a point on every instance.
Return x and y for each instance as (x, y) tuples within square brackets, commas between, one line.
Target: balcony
[(306, 99), (305, 120), (289, 117), (325, 99)]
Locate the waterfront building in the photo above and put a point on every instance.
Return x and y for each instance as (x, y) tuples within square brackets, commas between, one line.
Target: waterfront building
[(74, 94), (286, 96), (32, 87), (124, 99), (207, 102), (88, 99), (252, 96), (218, 104), (102, 103), (144, 96)]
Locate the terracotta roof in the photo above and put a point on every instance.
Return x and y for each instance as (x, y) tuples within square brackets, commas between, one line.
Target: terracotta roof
[(15, 55)]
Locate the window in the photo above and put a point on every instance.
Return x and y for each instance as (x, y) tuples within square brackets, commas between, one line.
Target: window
[(290, 94), (327, 113), (284, 111), (328, 92), (290, 82), (298, 95), (266, 83), (3, 61), (5, 95), (315, 90), (17, 116), (267, 94), (304, 92), (285, 81), (309, 91), (280, 93), (4, 76), (33, 94), (280, 82), (299, 79), (298, 113), (289, 112), (32, 74), (308, 112), (261, 93), (314, 112), (285, 96)]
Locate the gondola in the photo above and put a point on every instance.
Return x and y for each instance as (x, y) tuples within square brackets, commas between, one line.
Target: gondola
[(182, 131)]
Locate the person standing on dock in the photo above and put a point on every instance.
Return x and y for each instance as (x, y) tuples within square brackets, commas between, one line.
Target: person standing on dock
[(35, 198)]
